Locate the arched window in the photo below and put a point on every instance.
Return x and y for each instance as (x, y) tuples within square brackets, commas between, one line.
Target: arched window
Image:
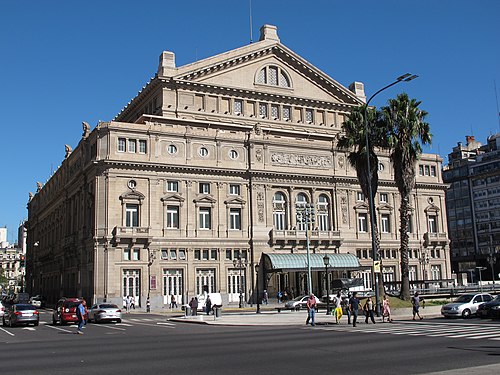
[(279, 211), (323, 213), (274, 76)]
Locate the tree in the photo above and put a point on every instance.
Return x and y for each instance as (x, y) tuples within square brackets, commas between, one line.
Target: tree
[(354, 139), (407, 132)]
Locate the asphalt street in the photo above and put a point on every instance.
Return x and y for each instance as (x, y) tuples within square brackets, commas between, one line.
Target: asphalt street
[(150, 344)]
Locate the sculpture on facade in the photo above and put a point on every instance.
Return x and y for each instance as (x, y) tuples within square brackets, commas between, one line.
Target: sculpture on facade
[(86, 129), (38, 186), (68, 150)]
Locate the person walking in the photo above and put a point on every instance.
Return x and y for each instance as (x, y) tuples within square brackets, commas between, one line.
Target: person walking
[(194, 308), (338, 308), (132, 302), (128, 301), (415, 301), (368, 308), (345, 309), (208, 305), (386, 310), (80, 314), (173, 302), (279, 296), (311, 309), (265, 297), (354, 307)]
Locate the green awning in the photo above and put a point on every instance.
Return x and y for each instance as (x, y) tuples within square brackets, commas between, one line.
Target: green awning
[(298, 262)]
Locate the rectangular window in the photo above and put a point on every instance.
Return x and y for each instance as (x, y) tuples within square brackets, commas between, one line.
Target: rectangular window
[(420, 170), (205, 254), (279, 220), (136, 254), (126, 254), (142, 146), (229, 254), (213, 254), (309, 116), (362, 224), (204, 188), (197, 254), (234, 189), (122, 144), (238, 107), (275, 113), (433, 171), (182, 254), (427, 170), (132, 215), (164, 254), (173, 217), (132, 145), (204, 218), (173, 254), (323, 222), (360, 197), (385, 223), (263, 110), (432, 222), (173, 186), (286, 113), (384, 197), (235, 218)]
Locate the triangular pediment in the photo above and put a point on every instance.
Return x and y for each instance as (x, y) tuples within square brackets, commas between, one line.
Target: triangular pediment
[(132, 195), (173, 198), (205, 199), (239, 69), (361, 207), (235, 201), (385, 207)]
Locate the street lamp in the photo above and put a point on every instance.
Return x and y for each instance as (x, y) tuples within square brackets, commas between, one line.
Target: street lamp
[(492, 260), (306, 214), (257, 287), (480, 277), (326, 262), (404, 78), (424, 260), (240, 264), (151, 259)]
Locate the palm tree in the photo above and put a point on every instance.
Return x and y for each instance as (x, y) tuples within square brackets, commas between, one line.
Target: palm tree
[(354, 139), (407, 132)]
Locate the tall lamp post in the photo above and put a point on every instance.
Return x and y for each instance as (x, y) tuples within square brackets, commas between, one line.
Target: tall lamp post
[(424, 261), (480, 277), (326, 262), (151, 259), (306, 214), (240, 264), (492, 260), (257, 287), (404, 78)]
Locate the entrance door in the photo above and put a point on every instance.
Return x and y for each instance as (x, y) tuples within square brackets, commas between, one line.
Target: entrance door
[(172, 285), (132, 285), (235, 285), (205, 281)]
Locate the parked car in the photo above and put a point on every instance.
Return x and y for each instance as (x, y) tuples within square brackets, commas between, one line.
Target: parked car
[(21, 313), (2, 309), (37, 301), (105, 312), (65, 311), (490, 309), (465, 305), (300, 303)]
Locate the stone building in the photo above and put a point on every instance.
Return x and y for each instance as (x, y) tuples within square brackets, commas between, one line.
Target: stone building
[(473, 205), (200, 178)]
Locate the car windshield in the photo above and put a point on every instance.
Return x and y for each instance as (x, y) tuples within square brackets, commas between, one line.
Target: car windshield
[(108, 306), (298, 298), (497, 298), (71, 304), (25, 307), (465, 298)]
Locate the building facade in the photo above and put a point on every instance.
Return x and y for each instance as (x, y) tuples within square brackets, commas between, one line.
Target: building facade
[(473, 205), (204, 175)]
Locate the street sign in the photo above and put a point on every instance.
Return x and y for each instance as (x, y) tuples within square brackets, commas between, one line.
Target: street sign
[(376, 266)]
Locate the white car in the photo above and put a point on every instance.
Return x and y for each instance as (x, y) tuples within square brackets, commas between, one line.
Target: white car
[(105, 312), (465, 305), (299, 303), (2, 309)]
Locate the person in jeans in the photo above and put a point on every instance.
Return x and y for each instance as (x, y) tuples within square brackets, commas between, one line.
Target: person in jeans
[(415, 301), (311, 309), (80, 314), (354, 308), (369, 310)]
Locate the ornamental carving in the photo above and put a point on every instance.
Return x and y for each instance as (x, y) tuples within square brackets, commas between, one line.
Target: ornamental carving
[(301, 160), (258, 155), (260, 211), (343, 209), (341, 161)]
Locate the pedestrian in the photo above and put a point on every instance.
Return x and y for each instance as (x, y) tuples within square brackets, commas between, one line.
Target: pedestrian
[(80, 314), (354, 307), (208, 305), (386, 310), (265, 297), (127, 304), (345, 309), (279, 296), (173, 302), (148, 305), (194, 308), (132, 302), (338, 308), (311, 309), (369, 308), (415, 301)]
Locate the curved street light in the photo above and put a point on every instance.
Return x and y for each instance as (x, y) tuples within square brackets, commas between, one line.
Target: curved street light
[(404, 78)]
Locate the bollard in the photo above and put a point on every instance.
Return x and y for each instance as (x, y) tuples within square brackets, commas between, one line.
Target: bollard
[(187, 311)]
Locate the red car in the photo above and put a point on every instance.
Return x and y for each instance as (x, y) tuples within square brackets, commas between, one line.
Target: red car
[(65, 311)]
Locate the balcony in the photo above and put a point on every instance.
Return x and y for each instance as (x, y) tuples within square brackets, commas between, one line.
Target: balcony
[(435, 239), (132, 234), (295, 236)]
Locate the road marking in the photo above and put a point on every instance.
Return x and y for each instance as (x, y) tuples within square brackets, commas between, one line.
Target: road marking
[(154, 325), (29, 328), (109, 327), (59, 329), (7, 332), (124, 324), (165, 323)]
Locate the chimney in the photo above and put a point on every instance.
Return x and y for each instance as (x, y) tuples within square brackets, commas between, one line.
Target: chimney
[(166, 67), (269, 32), (358, 88)]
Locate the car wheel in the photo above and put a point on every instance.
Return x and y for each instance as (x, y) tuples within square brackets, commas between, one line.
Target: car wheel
[(35, 324), (118, 320), (466, 313), (3, 321)]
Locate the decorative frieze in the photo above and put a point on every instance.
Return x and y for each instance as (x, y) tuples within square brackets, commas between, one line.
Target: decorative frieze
[(301, 160)]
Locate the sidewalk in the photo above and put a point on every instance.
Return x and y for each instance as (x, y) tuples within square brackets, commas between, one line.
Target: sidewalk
[(270, 317)]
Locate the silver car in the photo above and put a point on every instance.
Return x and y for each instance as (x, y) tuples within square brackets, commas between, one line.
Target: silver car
[(21, 313), (105, 312), (465, 305)]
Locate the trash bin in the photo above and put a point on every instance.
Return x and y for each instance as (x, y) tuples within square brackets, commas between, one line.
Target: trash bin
[(187, 311), (217, 312)]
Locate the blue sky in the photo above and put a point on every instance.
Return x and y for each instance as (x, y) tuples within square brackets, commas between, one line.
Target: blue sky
[(63, 62)]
